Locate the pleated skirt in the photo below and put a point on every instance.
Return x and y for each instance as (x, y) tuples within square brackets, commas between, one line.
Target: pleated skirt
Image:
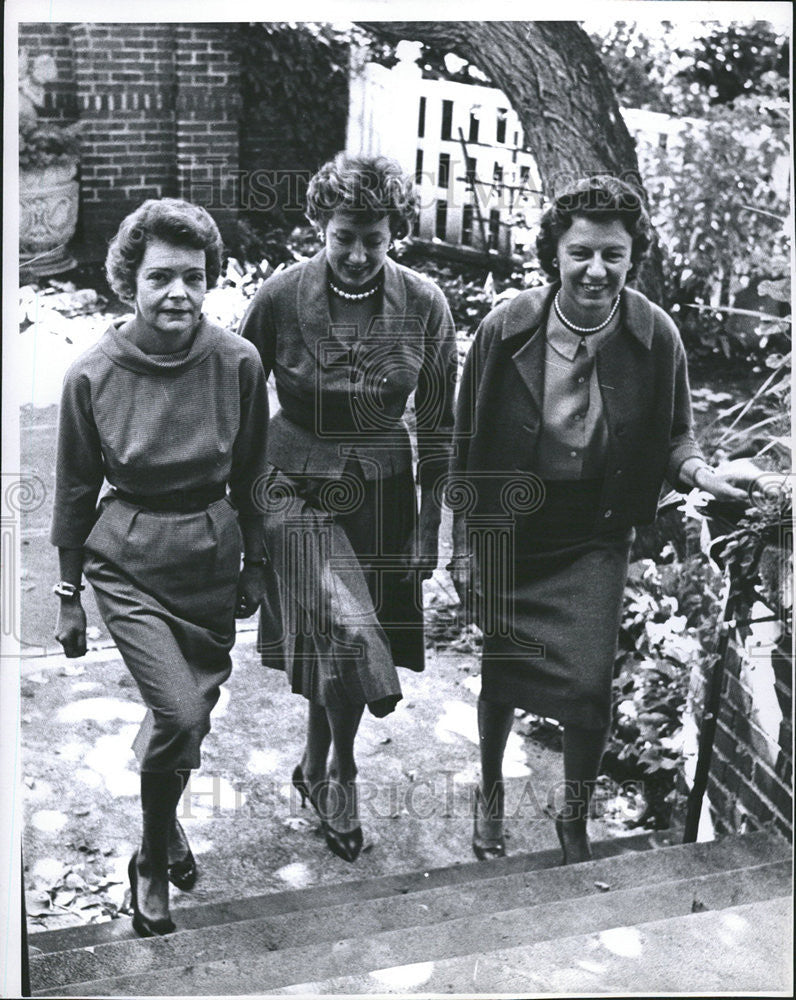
[(550, 609), (342, 613), (166, 584)]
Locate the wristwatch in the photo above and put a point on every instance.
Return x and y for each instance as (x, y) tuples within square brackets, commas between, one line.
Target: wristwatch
[(67, 590)]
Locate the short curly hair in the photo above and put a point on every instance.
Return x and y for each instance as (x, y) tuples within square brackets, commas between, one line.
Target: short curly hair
[(603, 198), (369, 186), (169, 219)]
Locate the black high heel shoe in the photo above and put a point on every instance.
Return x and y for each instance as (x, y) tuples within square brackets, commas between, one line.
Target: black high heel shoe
[(183, 872), (348, 845), (141, 924), (301, 785), (486, 849), (345, 845), (586, 853)]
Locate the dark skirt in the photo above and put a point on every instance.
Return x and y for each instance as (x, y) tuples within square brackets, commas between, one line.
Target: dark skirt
[(342, 612), (550, 608), (165, 584)]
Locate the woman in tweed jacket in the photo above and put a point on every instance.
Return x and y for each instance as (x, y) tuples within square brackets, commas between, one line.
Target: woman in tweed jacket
[(348, 336)]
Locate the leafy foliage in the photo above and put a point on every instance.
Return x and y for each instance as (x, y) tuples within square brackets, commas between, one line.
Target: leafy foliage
[(41, 143), (717, 188), (642, 68), (719, 212), (294, 82), (659, 641), (767, 524), (738, 59), (654, 72), (48, 145)]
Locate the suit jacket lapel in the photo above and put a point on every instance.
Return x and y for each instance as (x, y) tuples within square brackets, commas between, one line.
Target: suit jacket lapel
[(529, 362), (312, 304), (525, 315)]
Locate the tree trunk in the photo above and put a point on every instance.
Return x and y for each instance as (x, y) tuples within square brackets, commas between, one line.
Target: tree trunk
[(561, 92)]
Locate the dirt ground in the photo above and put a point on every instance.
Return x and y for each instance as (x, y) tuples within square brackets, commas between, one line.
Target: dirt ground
[(418, 767)]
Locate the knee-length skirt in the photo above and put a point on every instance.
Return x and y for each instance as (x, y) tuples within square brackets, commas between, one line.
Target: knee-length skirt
[(165, 584), (550, 611), (343, 611)]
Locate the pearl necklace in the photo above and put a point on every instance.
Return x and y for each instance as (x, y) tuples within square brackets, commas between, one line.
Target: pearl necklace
[(353, 296), (585, 329)]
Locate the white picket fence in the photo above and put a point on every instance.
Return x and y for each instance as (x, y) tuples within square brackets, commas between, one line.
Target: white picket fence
[(477, 183)]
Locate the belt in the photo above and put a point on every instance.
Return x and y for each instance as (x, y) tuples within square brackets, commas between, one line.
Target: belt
[(182, 501)]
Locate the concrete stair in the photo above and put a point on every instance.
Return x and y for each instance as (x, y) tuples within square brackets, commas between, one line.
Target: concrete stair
[(697, 917)]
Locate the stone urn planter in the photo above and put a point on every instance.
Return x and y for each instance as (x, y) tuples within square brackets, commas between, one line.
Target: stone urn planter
[(48, 208), (49, 193)]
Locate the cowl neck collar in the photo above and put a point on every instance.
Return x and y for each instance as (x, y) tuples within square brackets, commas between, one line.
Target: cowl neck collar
[(124, 352)]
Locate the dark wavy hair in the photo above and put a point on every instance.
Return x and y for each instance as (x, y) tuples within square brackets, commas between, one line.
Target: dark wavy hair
[(368, 186), (602, 198), (169, 219)]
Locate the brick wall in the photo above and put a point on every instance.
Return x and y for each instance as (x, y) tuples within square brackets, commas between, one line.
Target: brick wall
[(751, 775), (60, 99), (159, 106), (124, 75), (207, 76)]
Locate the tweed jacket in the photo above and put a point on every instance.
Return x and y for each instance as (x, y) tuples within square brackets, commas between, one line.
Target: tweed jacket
[(643, 378), (343, 392)]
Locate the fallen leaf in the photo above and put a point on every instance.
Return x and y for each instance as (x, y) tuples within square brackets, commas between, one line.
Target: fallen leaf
[(72, 670), (296, 823)]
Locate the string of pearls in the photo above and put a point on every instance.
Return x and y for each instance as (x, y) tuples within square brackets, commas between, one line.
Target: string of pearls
[(353, 296), (584, 329)]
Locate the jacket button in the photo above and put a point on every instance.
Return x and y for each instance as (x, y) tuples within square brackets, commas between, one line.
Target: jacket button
[(618, 472), (608, 513)]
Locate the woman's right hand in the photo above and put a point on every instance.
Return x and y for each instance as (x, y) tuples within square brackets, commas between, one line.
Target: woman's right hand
[(71, 628), (460, 571)]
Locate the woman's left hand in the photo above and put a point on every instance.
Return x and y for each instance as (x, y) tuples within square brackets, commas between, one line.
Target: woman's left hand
[(422, 546), (251, 591), (730, 482)]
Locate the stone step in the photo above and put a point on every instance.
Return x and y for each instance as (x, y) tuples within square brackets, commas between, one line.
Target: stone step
[(742, 950), (190, 917), (314, 923), (431, 925)]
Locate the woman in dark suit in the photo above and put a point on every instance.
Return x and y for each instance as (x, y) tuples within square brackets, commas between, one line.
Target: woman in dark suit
[(349, 335), (170, 410), (574, 407)]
